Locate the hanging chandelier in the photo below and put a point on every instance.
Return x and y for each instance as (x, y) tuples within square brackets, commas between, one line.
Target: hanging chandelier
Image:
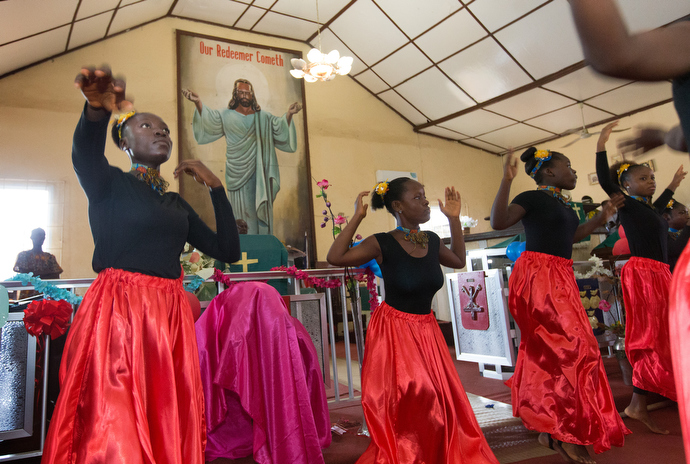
[(321, 66)]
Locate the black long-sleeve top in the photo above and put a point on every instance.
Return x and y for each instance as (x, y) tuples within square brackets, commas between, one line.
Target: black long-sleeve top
[(550, 225), (136, 229), (644, 226)]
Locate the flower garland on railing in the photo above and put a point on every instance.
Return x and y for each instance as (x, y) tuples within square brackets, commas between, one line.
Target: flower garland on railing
[(597, 269), (332, 282), (195, 283), (50, 291)]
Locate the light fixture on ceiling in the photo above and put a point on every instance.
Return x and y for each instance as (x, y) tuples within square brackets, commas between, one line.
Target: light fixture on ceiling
[(322, 66), (584, 133)]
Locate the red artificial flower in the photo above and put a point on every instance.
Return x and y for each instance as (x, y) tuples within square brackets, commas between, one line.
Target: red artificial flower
[(339, 220), (47, 317), (323, 184), (604, 305)]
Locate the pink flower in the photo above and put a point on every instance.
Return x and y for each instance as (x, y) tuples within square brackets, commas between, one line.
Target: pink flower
[(194, 258), (339, 220), (323, 184), (604, 305)]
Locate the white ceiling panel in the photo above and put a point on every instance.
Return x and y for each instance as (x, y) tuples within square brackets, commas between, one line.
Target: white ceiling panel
[(363, 27), (545, 41), (443, 132), (265, 3), (93, 7), (434, 95), (414, 16), (515, 136), (286, 26), (250, 17), (495, 14), (453, 34), (138, 13), (483, 145), (44, 15), (530, 104), (485, 71), (371, 81), (214, 11), (477, 122), (644, 15), (632, 96), (33, 49), (89, 29), (307, 9), (330, 42), (568, 118), (584, 84), (401, 106), (402, 64), (129, 2)]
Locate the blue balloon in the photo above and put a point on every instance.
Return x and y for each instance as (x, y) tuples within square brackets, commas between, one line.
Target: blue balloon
[(373, 265), (514, 250)]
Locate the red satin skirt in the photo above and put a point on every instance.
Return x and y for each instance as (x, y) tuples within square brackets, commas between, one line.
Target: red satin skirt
[(414, 404), (131, 390), (560, 385), (646, 284), (679, 324)]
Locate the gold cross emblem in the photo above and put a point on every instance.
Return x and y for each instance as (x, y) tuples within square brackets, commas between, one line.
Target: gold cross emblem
[(244, 262)]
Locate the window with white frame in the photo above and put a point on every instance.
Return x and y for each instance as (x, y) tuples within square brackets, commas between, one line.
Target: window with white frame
[(25, 206)]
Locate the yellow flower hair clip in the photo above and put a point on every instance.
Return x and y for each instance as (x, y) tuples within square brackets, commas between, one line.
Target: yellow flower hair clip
[(624, 167), (381, 188), (121, 121), (671, 203), (541, 156)]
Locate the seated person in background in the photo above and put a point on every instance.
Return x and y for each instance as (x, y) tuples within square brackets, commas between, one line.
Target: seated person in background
[(242, 226), (263, 386), (42, 264), (676, 214)]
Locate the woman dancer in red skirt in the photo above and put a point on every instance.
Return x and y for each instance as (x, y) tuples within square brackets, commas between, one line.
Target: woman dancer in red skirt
[(131, 390), (645, 277), (414, 404), (560, 386)]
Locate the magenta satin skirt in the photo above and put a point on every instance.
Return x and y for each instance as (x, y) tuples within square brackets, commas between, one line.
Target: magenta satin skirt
[(560, 385), (679, 324), (414, 404), (646, 284), (263, 385), (131, 391)]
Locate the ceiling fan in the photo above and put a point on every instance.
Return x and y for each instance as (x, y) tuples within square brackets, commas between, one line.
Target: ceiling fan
[(584, 133)]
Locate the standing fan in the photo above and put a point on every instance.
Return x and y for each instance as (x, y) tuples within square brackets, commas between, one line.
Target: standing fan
[(584, 133)]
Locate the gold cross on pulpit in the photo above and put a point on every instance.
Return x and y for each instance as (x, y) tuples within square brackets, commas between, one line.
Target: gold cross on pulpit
[(244, 262), (576, 208)]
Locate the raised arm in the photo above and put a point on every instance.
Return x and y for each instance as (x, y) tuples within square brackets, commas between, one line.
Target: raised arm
[(341, 254), (454, 256), (504, 215), (610, 49), (602, 161), (104, 94), (666, 196), (193, 97)]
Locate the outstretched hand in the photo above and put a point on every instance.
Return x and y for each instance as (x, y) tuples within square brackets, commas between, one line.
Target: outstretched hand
[(102, 90), (294, 108), (199, 172), (360, 206), (605, 134), (677, 178), (617, 201), (646, 139), (451, 209), (190, 95), (510, 169)]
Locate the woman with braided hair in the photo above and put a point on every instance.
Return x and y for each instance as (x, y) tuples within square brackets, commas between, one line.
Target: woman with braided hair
[(645, 277), (414, 404), (560, 386), (131, 390)]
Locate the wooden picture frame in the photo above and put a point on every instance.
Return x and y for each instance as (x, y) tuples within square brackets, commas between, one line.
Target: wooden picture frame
[(210, 66)]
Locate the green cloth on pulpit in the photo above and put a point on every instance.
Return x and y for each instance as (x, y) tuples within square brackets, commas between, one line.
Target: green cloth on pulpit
[(260, 253)]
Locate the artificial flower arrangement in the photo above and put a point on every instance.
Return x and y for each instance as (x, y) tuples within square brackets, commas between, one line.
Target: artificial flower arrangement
[(468, 222), (599, 271), (199, 265)]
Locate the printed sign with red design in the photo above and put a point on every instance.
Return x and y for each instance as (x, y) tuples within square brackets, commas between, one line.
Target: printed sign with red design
[(472, 293)]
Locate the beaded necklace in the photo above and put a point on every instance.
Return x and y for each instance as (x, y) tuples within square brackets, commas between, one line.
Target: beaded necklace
[(150, 176), (644, 200), (556, 193), (675, 233), (414, 236)]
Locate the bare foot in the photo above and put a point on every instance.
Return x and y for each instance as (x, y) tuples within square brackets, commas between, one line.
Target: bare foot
[(642, 415), (546, 441), (578, 453)]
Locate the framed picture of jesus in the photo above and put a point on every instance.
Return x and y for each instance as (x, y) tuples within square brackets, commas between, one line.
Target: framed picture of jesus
[(243, 115)]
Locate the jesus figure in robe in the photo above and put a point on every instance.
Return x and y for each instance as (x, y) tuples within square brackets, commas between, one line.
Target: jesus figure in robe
[(252, 174)]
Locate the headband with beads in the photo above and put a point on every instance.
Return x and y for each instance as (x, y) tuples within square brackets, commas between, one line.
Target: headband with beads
[(541, 156), (624, 167), (381, 188), (122, 120)]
